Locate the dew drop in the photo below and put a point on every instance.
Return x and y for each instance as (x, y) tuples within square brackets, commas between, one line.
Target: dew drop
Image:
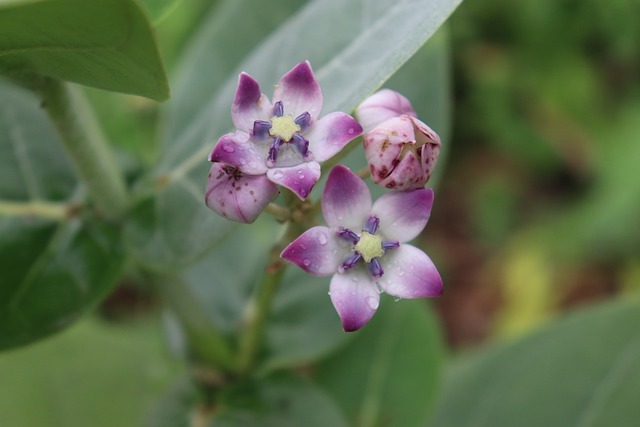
[(355, 279), (372, 302), (322, 239), (278, 174), (228, 148), (351, 131), (306, 262), (396, 299), (401, 273), (242, 161)]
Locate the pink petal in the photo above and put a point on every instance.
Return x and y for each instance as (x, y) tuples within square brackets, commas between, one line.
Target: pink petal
[(403, 214), (355, 297), (410, 273), (300, 179), (331, 133), (318, 251), (407, 175), (425, 133), (299, 91), (382, 106), (384, 144), (249, 104), (346, 200), (236, 196), (234, 149)]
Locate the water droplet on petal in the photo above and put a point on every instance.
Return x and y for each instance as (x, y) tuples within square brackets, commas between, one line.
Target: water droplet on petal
[(355, 279), (351, 131), (401, 273), (278, 174), (322, 239), (242, 161), (396, 299), (229, 148), (306, 262), (372, 302)]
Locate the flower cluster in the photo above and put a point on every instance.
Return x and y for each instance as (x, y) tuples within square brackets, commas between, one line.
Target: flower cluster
[(363, 247), (280, 143)]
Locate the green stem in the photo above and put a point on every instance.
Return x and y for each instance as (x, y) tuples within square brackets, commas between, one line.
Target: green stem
[(36, 208), (207, 344), (86, 145)]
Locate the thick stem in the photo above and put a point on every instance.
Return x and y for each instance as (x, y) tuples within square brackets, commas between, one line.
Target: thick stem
[(207, 344), (86, 145), (36, 208)]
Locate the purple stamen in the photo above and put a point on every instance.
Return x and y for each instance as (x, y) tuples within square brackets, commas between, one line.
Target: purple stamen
[(278, 109), (349, 235), (273, 151), (302, 144), (303, 120), (261, 129), (375, 268), (390, 244), (350, 262), (371, 226)]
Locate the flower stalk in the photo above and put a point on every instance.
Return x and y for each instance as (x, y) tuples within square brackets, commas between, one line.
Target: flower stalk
[(86, 145)]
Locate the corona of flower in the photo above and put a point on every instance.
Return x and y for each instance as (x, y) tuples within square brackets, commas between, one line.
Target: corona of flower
[(364, 247), (400, 149), (284, 141)]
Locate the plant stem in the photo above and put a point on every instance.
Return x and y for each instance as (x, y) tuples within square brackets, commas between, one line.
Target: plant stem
[(85, 145), (35, 208), (207, 343)]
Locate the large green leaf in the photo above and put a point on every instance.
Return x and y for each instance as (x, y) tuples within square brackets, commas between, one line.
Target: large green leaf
[(92, 375), (106, 44), (53, 266), (353, 46), (280, 400), (390, 373), (579, 371)]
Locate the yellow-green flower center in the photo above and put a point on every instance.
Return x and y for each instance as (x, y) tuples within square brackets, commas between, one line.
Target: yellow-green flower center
[(283, 127), (369, 246)]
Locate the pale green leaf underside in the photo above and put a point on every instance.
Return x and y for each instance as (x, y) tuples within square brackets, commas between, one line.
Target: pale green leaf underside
[(580, 371), (107, 44)]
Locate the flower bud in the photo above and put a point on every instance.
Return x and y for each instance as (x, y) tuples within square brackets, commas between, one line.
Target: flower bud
[(401, 150)]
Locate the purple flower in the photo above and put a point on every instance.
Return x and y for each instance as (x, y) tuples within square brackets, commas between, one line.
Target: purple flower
[(364, 247), (284, 140), (400, 149)]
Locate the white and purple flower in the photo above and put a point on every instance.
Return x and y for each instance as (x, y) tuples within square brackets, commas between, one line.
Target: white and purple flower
[(364, 247), (284, 141), (401, 150)]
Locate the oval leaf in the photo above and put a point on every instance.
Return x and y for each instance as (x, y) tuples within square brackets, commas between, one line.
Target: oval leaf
[(389, 374), (579, 371), (106, 44)]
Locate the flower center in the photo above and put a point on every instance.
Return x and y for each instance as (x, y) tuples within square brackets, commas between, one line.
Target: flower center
[(283, 127), (369, 246)]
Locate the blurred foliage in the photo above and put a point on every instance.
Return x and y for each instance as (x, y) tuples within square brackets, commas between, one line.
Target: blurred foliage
[(541, 191)]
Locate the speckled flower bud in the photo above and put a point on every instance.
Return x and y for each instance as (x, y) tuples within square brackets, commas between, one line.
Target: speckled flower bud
[(401, 150)]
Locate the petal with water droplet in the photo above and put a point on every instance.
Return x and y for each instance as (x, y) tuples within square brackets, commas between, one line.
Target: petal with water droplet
[(300, 179), (410, 273), (309, 253), (355, 301)]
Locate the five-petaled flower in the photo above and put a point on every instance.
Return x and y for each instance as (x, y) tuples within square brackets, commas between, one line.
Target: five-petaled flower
[(400, 149), (274, 143), (364, 247)]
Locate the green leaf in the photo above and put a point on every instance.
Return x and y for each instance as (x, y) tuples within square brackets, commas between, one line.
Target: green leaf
[(52, 273), (54, 267), (92, 375), (160, 9), (280, 400), (390, 373), (354, 47), (106, 44), (579, 371)]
